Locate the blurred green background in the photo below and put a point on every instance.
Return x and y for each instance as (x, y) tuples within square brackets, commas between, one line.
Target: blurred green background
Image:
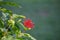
[(44, 13)]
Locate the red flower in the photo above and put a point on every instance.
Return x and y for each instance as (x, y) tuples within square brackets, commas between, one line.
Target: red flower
[(28, 23)]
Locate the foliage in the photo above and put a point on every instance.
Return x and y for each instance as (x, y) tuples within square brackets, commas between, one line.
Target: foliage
[(11, 25)]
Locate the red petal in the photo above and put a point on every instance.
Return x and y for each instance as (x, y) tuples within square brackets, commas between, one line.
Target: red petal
[(28, 23)]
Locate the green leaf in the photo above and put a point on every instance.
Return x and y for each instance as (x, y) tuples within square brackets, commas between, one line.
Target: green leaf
[(23, 26), (4, 10), (18, 16), (1, 23), (10, 4), (29, 36), (11, 22)]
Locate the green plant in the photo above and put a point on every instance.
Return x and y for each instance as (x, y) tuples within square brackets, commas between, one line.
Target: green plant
[(12, 25)]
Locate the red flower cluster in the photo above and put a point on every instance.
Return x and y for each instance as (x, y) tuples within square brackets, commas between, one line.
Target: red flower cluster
[(28, 23)]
